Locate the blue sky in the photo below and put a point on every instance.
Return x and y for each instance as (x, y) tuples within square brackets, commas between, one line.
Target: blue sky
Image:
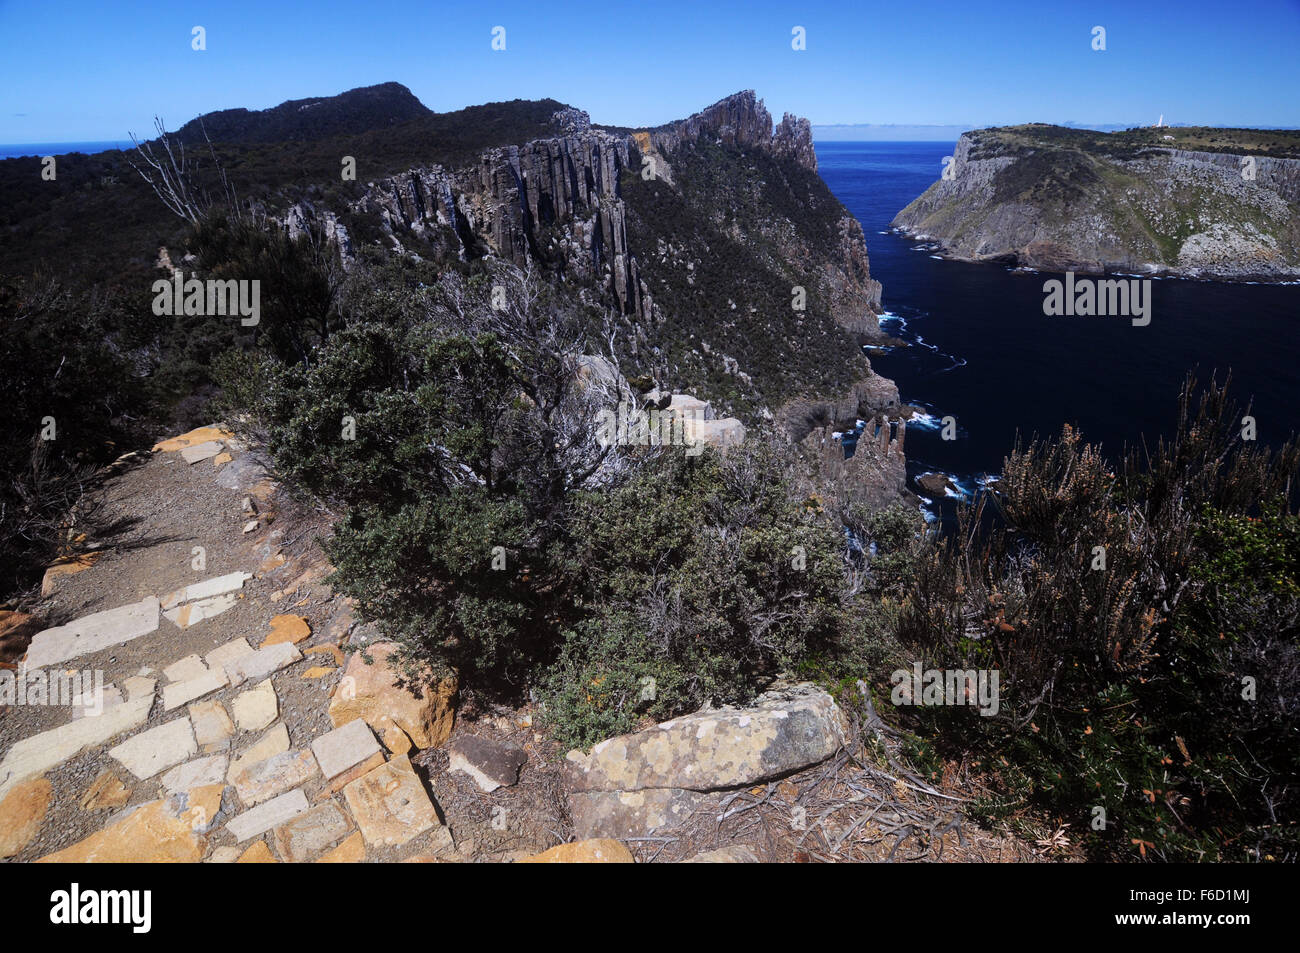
[(92, 70)]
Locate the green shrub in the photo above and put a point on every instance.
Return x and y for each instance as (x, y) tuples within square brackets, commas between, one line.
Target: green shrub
[(1123, 689)]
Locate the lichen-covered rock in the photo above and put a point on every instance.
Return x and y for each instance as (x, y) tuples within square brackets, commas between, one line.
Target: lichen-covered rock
[(782, 732), (656, 779)]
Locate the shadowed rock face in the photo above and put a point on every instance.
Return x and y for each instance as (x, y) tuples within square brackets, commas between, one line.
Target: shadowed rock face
[(1094, 208)]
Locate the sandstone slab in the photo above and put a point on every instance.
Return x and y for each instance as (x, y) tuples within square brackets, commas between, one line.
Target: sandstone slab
[(173, 830), (157, 749), (287, 628), (275, 741), (390, 804), (351, 851), (41, 752), (256, 666), (783, 732), (257, 707), (22, 811), (195, 612), (593, 851), (340, 781), (191, 438), (272, 813), (93, 633), (182, 693), (201, 772), (627, 814), (344, 747), (201, 451), (258, 853), (106, 792), (263, 780), (212, 725), (308, 834), (223, 655), (372, 692), (188, 668)]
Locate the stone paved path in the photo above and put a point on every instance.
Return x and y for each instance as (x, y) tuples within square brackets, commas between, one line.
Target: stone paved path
[(218, 748)]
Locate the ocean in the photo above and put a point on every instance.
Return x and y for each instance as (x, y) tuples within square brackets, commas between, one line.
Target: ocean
[(15, 150), (981, 350)]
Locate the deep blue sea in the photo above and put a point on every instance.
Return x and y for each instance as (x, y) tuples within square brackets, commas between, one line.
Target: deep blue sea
[(13, 150), (982, 351)]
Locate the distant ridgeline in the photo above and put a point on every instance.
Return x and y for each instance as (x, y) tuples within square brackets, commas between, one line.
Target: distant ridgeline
[(1191, 201), (713, 238)]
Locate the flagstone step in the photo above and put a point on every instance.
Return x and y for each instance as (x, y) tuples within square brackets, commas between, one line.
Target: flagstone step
[(92, 633)]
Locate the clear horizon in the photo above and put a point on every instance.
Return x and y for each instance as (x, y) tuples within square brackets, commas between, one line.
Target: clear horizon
[(80, 72)]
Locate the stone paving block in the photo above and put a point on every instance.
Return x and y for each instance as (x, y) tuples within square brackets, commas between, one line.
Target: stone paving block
[(256, 708), (41, 752), (182, 693), (194, 612), (257, 853), (187, 668), (92, 633), (157, 749), (212, 726), (390, 804), (263, 780), (201, 451), (351, 851), (221, 656), (258, 665), (172, 830), (308, 834), (196, 774), (344, 747), (275, 741), (273, 813)]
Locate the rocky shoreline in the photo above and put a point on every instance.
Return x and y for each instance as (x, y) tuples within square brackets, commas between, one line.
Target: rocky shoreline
[(1153, 212)]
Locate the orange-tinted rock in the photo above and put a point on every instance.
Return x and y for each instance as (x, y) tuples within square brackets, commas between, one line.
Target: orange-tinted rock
[(257, 853), (287, 628), (371, 692), (67, 566), (197, 436), (107, 792), (173, 830), (333, 650), (351, 851), (21, 814), (390, 804), (351, 774), (596, 851)]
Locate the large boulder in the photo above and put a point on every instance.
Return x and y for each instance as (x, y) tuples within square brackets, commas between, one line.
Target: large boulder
[(371, 692), (655, 779)]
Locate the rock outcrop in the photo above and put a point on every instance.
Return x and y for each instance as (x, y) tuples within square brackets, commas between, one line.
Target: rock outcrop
[(1066, 200), (655, 779)]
